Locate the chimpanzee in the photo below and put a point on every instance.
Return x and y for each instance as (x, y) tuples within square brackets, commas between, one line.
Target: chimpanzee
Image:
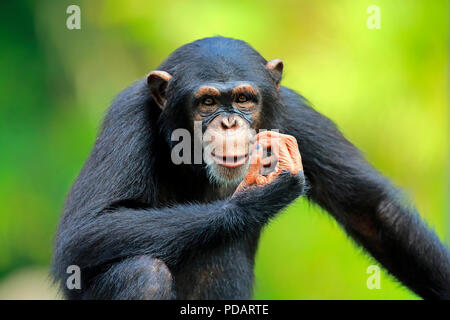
[(140, 226)]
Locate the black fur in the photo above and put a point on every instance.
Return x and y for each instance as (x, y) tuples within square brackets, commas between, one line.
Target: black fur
[(140, 227)]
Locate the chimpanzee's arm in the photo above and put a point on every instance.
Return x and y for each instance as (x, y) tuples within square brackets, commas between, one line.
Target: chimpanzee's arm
[(172, 234), (369, 208)]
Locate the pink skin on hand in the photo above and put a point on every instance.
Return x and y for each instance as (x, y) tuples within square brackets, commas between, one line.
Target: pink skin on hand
[(285, 151)]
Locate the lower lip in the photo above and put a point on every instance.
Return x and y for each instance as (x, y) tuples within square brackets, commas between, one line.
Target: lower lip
[(230, 164)]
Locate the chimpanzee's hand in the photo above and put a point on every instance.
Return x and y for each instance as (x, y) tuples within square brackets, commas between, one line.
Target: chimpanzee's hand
[(285, 156), (268, 192)]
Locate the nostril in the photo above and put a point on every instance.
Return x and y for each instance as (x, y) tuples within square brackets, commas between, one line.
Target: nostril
[(229, 123), (224, 124)]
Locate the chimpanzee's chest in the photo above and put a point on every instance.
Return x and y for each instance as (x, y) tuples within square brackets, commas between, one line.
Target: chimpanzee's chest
[(224, 272)]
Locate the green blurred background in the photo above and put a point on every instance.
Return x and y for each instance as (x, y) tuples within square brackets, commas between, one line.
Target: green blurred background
[(386, 89)]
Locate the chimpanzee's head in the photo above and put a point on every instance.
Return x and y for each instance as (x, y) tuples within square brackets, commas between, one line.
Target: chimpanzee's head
[(229, 88)]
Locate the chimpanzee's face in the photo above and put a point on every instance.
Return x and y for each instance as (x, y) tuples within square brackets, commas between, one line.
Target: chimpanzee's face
[(228, 108), (228, 112)]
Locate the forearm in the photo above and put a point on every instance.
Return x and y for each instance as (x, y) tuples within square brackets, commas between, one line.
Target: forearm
[(410, 250), (392, 232), (163, 233), (169, 233)]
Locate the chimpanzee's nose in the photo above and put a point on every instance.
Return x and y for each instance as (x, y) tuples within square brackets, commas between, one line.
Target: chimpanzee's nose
[(229, 122)]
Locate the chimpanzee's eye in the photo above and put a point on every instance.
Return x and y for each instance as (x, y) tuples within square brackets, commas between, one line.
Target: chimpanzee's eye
[(209, 101), (242, 98)]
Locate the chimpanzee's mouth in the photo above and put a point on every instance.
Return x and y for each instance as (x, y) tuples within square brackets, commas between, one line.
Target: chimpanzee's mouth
[(230, 161)]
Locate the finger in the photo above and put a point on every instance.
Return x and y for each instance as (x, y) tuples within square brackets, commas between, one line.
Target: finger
[(268, 134), (255, 164), (267, 142), (292, 146), (261, 180), (284, 159)]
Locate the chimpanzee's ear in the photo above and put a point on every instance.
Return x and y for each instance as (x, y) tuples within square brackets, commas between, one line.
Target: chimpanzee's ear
[(157, 83), (275, 67)]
